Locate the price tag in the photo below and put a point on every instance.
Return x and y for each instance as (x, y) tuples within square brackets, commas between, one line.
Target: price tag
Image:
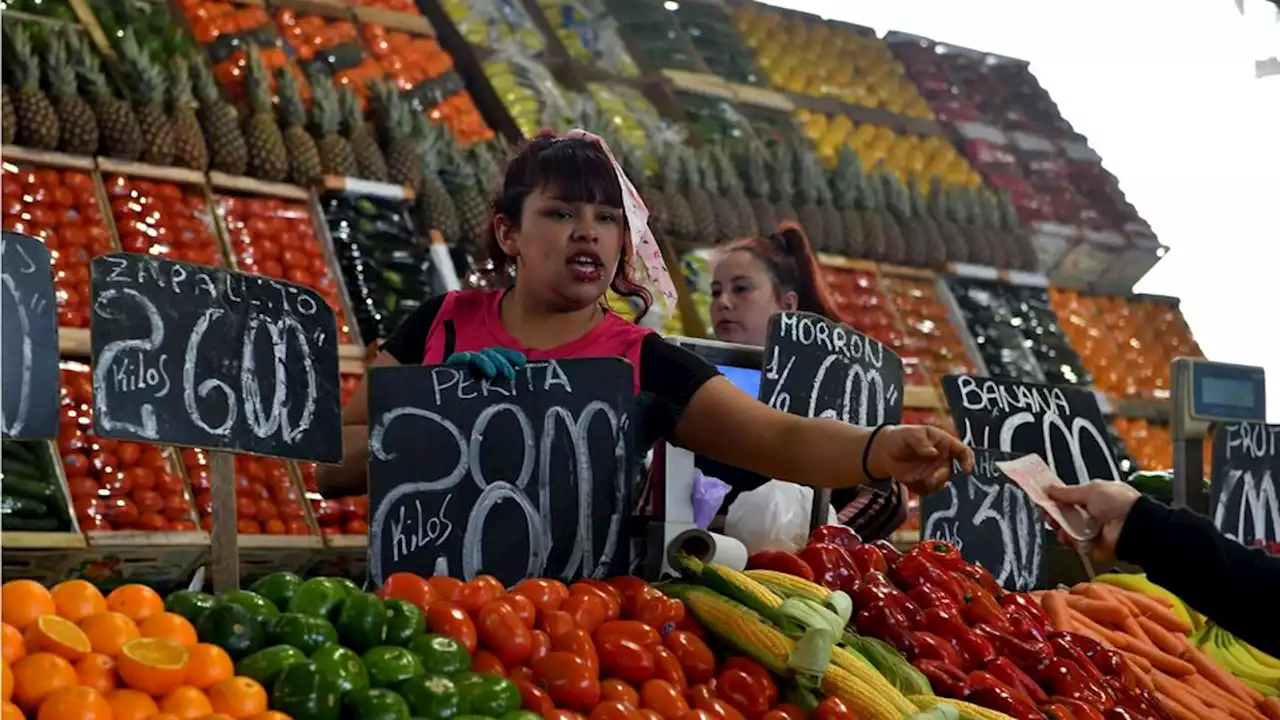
[(514, 479), (1244, 492), (28, 339)]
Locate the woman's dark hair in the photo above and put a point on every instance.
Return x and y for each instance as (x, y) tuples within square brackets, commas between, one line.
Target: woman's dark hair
[(577, 170), (790, 262)]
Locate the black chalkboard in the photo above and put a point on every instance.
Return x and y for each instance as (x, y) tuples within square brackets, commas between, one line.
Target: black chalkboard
[(204, 357), (1245, 491), (28, 339), (513, 479), (1061, 424), (991, 520), (819, 368)]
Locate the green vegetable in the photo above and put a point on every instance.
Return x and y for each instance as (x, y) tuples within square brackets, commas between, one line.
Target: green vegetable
[(259, 607), (304, 632), (361, 622), (375, 704), (277, 587), (303, 692), (22, 507), (432, 697), (441, 654), (232, 628), (21, 524), (317, 597), (404, 622), (487, 694), (389, 666), (267, 664), (190, 604), (343, 666), (22, 486)]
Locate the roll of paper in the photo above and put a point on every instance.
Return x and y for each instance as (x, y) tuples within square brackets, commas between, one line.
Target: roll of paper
[(706, 546)]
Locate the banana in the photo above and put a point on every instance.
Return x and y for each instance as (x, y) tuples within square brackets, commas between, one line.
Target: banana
[(1263, 659), (1230, 653), (1140, 584), (1266, 690)]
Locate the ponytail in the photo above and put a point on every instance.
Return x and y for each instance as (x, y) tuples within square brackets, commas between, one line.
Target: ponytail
[(790, 262)]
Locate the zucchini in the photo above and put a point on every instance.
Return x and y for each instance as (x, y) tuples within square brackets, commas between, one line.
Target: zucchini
[(21, 524), (22, 506), (31, 489)]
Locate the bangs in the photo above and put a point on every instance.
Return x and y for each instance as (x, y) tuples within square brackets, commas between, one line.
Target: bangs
[(576, 171)]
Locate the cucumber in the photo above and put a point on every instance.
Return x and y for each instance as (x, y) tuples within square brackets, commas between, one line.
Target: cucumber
[(46, 524), (20, 467), (43, 492), (21, 506), (14, 450)]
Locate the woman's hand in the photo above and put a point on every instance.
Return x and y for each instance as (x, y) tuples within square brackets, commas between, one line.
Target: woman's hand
[(919, 457), (1106, 501), (489, 363)]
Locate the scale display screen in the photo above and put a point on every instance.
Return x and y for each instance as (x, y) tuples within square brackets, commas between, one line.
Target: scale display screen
[(1228, 393), (747, 379)]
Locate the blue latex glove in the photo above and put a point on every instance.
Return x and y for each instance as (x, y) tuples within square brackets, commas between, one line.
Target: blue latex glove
[(490, 363)]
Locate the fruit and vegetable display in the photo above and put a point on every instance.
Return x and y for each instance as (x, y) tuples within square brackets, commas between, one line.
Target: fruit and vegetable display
[(929, 340), (907, 156), (31, 497), (116, 484), (627, 113), (496, 23), (1127, 343), (163, 219), (589, 35), (531, 94), (329, 45), (655, 34), (858, 297), (268, 498), (1151, 444), (230, 33), (711, 30), (801, 54), (404, 6)]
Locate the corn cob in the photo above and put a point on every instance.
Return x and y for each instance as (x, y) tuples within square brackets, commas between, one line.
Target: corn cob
[(785, 584), (888, 662), (863, 700), (740, 587), (967, 710), (741, 628), (850, 663)]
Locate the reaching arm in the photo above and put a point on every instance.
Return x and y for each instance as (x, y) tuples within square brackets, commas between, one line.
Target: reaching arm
[(351, 477)]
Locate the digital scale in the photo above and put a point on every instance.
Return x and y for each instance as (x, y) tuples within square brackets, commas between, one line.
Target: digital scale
[(1204, 394)]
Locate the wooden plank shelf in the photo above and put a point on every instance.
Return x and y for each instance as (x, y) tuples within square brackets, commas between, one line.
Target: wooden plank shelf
[(840, 262), (134, 538), (163, 173), (239, 183), (15, 540), (370, 188), (700, 84), (412, 23), (46, 158)]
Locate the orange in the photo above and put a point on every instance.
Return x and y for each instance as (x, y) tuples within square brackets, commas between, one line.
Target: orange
[(208, 664), (270, 715), (108, 632), (169, 626), (38, 675), (238, 697), (187, 703), (98, 672), (22, 601), (77, 599), (75, 703), (216, 716), (9, 711), (164, 716), (6, 682), (129, 704), (137, 602), (59, 636), (152, 665), (11, 641)]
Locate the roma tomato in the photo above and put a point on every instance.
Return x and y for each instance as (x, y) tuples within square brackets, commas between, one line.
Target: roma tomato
[(667, 667), (563, 715), (698, 715), (612, 600), (525, 609), (615, 710), (785, 711), (636, 632), (477, 593), (568, 679), (757, 671), (445, 587), (719, 709), (628, 585), (743, 691), (701, 691), (520, 672), (622, 658), (547, 595), (616, 689), (833, 708), (661, 613), (695, 657), (650, 714), (541, 644), (555, 622), (577, 642), (632, 603), (589, 610), (483, 661), (409, 587), (663, 698), (533, 698), (446, 618), (504, 633)]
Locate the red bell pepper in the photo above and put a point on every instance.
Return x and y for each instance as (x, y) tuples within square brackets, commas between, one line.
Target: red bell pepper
[(932, 647), (988, 691), (1080, 710), (928, 596), (869, 558), (941, 553), (832, 566), (1023, 627), (840, 535), (1027, 604), (780, 561), (1065, 679), (872, 587), (1056, 711), (914, 570), (981, 609), (946, 680), (891, 554), (1109, 662), (975, 650), (1119, 713), (1064, 647), (1028, 656), (1162, 711), (1010, 675), (1134, 700), (982, 577), (884, 621)]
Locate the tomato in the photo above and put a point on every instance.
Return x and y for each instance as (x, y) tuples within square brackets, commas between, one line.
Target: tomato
[(547, 595), (563, 715), (667, 667), (785, 711), (446, 587), (690, 624), (600, 585), (694, 656), (568, 679), (477, 593), (628, 585), (612, 603), (578, 642), (617, 689), (743, 691), (447, 618), (555, 622), (755, 670), (483, 661), (636, 632), (589, 610), (541, 644), (520, 672), (833, 708), (524, 608), (661, 613), (701, 692), (663, 698), (148, 501), (615, 710), (698, 715), (719, 709), (502, 632), (533, 698), (625, 659)]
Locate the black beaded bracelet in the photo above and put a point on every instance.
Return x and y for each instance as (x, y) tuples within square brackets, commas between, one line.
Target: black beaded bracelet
[(866, 453)]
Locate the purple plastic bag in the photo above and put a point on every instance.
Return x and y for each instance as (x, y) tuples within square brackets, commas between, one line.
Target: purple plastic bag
[(708, 495)]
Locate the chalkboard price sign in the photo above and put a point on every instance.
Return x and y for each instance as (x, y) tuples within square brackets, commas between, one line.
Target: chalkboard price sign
[(991, 520), (514, 479), (200, 356), (1063, 425), (28, 339), (1246, 471), (818, 368)]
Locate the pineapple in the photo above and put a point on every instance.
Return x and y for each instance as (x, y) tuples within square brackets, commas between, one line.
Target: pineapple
[(220, 121), (304, 158), (832, 225), (146, 85), (433, 206), (706, 228), (966, 211), (8, 117), (681, 224), (268, 157), (77, 125), (784, 185), (189, 150), (938, 208), (810, 215), (37, 119), (758, 190), (118, 133), (869, 199), (731, 185), (369, 158), (987, 224), (895, 243), (336, 155), (915, 245), (394, 121), (723, 212), (935, 247), (1021, 246), (846, 183), (464, 186)]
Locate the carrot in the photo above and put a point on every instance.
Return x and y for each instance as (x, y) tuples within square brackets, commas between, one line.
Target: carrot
[(1161, 660), (1183, 695), (1176, 708), (1055, 606), (1271, 708), (1103, 612), (1175, 645), (1115, 639), (1142, 678), (1121, 597), (1157, 612), (1082, 630), (1216, 675), (1221, 699), (1133, 629), (1138, 661), (1091, 591)]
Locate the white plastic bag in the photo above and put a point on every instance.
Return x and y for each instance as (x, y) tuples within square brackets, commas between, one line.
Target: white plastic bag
[(774, 516)]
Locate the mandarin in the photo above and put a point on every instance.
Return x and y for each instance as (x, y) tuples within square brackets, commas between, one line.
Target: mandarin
[(208, 664), (76, 600), (187, 703), (23, 601), (12, 649), (75, 703), (37, 676), (9, 711), (98, 672), (109, 631), (238, 697), (137, 602), (130, 704), (152, 665), (58, 635), (6, 682), (169, 626)]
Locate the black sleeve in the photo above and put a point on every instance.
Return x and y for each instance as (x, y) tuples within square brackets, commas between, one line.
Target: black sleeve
[(1228, 583), (669, 376), (408, 344)]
